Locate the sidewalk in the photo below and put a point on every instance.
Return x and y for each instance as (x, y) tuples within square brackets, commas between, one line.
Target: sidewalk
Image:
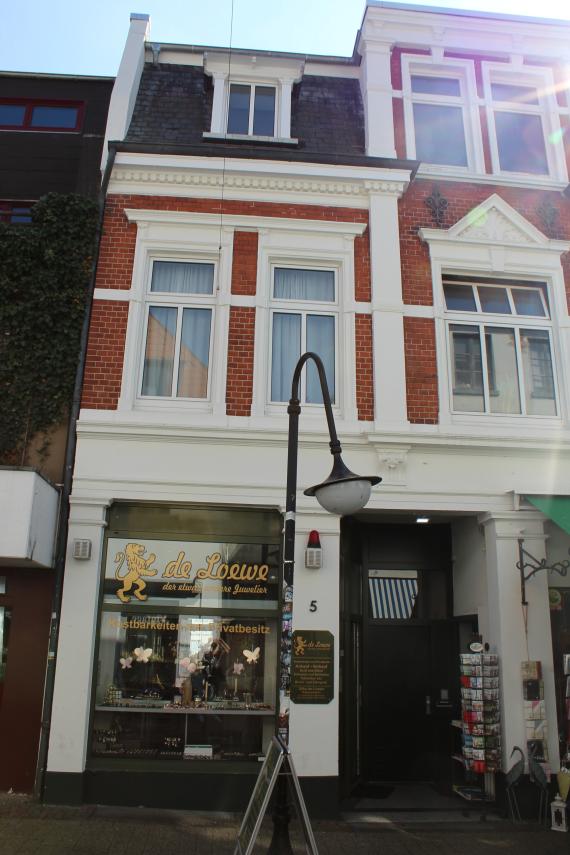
[(28, 828)]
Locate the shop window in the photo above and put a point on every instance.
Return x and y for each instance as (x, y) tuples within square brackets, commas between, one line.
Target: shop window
[(178, 330), (523, 122), (304, 318), (36, 115), (251, 110), (441, 127), (501, 359), (181, 676)]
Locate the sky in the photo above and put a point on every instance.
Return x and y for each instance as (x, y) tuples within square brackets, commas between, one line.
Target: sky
[(87, 36)]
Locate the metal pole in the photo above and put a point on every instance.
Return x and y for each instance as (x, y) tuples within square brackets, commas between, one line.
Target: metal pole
[(280, 843)]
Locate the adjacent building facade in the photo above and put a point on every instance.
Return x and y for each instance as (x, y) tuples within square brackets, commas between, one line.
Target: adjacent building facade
[(401, 212), (51, 138)]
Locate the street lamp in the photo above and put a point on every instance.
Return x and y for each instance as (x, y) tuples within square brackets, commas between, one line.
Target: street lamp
[(341, 493)]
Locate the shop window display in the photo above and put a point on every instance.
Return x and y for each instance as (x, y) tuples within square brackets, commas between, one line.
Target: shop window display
[(175, 682)]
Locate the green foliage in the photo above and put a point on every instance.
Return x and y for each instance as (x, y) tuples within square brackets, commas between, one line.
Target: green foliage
[(44, 276)]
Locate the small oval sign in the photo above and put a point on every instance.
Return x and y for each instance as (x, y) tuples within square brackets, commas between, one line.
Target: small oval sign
[(476, 647)]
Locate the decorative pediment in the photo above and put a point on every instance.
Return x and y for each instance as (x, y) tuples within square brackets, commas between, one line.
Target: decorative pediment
[(494, 221)]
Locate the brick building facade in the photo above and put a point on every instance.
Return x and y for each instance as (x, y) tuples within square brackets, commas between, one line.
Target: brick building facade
[(403, 213)]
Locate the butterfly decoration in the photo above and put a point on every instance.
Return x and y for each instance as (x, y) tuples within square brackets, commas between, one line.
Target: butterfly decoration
[(143, 654), (188, 664), (238, 668), (126, 662), (252, 656)]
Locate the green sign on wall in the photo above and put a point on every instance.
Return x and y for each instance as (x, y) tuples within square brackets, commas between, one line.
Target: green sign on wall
[(312, 667)]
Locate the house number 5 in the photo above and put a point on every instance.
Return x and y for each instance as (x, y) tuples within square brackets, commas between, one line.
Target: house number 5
[(313, 606)]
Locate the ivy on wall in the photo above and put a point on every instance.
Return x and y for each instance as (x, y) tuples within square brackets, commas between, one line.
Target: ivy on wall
[(44, 276)]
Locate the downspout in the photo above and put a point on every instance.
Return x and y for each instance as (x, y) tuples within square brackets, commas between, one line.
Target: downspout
[(63, 516)]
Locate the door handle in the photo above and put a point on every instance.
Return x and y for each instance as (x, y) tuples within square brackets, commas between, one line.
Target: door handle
[(428, 705)]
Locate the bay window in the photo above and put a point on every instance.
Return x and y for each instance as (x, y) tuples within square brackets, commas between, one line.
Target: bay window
[(501, 355), (178, 330), (304, 318)]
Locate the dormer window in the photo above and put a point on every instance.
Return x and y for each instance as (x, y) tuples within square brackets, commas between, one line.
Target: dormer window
[(251, 110), (252, 100)]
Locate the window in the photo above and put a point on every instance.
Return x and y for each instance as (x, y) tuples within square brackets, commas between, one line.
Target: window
[(251, 110), (16, 212), (34, 115), (501, 358), (178, 330), (439, 127), (303, 319)]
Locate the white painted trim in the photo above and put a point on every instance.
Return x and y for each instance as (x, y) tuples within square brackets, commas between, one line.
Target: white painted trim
[(209, 135), (117, 295), (448, 173)]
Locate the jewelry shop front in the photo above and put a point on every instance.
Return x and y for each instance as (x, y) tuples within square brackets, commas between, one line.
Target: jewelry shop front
[(185, 689)]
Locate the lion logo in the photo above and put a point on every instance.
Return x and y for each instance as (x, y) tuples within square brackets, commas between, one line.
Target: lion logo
[(137, 566)]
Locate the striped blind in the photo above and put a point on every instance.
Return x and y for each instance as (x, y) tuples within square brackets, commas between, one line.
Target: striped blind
[(392, 598)]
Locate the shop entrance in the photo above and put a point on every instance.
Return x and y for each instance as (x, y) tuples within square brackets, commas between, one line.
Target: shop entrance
[(401, 678)]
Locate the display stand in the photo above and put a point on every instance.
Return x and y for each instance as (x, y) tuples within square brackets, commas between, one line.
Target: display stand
[(480, 726)]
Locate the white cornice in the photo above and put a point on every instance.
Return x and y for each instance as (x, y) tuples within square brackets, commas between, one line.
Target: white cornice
[(240, 221), (473, 32), (245, 179)]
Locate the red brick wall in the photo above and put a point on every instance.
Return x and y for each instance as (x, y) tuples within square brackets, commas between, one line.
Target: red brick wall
[(421, 370), (462, 197), (239, 387), (362, 280), (244, 264), (105, 351), (364, 370)]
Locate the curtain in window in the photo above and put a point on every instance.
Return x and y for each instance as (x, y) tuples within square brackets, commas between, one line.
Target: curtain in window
[(182, 277), (290, 284), (159, 354), (502, 371), (194, 353), (286, 350), (320, 340)]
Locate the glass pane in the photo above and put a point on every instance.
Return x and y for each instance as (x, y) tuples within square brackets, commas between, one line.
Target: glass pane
[(54, 117), (502, 373), (5, 615), (12, 114), (467, 365), (494, 300), (459, 298), (182, 277), (440, 137), (290, 284), (285, 352), (436, 85), (159, 354), (320, 340), (528, 302), (264, 111), (509, 92), (538, 376), (194, 353), (521, 143), (21, 215), (392, 594), (238, 112)]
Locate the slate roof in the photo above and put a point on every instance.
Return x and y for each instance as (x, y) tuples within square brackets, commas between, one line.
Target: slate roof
[(174, 107)]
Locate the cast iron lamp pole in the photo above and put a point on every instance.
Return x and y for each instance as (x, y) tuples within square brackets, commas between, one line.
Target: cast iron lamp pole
[(341, 493)]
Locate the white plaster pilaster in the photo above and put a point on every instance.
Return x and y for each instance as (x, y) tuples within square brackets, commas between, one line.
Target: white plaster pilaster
[(376, 88), (284, 116), (505, 632), (218, 103), (314, 728), (387, 313), (69, 732)]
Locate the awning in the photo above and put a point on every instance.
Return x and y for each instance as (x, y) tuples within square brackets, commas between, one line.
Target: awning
[(556, 508)]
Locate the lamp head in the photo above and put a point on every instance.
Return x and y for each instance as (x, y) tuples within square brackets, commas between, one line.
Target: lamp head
[(343, 492)]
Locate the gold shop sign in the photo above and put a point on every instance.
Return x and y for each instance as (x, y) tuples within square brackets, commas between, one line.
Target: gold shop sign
[(208, 573)]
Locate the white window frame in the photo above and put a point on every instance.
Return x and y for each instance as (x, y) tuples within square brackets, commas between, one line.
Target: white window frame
[(513, 321), (304, 308), (179, 301), (547, 109), (252, 87), (457, 69)]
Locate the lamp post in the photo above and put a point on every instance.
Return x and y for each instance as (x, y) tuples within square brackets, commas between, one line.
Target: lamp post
[(341, 493)]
